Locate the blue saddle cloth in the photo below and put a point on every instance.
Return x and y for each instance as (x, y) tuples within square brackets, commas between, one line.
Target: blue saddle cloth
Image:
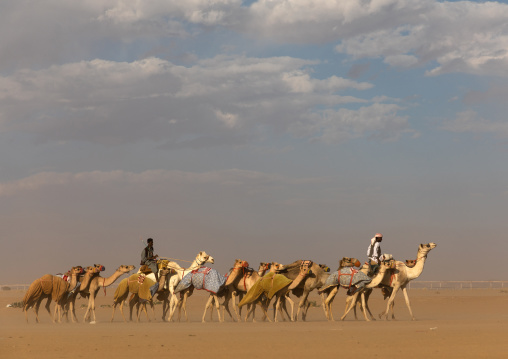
[(204, 278), (359, 280)]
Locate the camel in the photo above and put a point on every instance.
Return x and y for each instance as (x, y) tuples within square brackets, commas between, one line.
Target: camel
[(50, 287), (403, 275), (375, 281), (200, 259), (84, 284), (240, 279), (275, 285), (328, 293), (98, 283), (316, 279), (131, 285), (203, 278)]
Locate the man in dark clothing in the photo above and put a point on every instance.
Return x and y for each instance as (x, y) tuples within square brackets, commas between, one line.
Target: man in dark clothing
[(149, 259)]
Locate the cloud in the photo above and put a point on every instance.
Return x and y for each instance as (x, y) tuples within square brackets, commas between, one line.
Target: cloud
[(380, 121), (220, 100), (152, 181), (470, 122)]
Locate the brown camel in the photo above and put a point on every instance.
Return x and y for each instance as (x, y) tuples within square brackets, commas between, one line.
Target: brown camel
[(274, 285), (84, 284), (240, 279), (100, 282), (316, 279), (403, 275), (50, 287), (132, 285)]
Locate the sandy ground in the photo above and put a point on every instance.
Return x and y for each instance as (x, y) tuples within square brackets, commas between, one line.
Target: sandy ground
[(450, 324)]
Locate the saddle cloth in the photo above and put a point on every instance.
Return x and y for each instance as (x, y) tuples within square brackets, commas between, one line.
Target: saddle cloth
[(360, 279), (270, 284), (203, 278)]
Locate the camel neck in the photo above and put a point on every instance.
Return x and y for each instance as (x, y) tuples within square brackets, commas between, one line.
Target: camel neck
[(413, 273), (106, 282), (378, 278)]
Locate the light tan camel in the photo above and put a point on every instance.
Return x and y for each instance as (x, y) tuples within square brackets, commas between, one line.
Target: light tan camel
[(403, 275), (180, 303), (316, 279), (131, 285), (98, 283), (386, 291), (83, 290), (384, 268), (49, 287)]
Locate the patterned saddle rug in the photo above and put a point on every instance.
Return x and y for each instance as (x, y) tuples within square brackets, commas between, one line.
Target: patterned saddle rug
[(347, 277), (203, 278)]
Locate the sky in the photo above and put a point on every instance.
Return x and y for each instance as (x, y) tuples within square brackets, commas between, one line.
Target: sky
[(270, 130)]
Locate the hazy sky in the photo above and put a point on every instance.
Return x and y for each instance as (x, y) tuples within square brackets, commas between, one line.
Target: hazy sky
[(270, 130)]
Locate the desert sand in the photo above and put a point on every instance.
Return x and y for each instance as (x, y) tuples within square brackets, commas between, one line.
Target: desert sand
[(450, 324)]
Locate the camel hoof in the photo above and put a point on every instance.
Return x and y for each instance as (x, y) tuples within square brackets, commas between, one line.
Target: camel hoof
[(93, 322)]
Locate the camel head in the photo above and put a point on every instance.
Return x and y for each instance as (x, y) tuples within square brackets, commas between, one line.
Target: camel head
[(125, 268), (164, 271), (305, 270), (239, 263), (203, 258), (95, 269), (305, 267), (410, 263), (426, 248), (276, 267), (349, 262), (238, 269), (76, 270), (388, 264), (263, 268), (100, 267), (324, 267)]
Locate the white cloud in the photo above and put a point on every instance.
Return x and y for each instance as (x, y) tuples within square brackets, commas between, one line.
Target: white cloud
[(332, 126), (111, 103), (470, 122)]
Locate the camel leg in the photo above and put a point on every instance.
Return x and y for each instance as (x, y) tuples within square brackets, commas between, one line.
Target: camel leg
[(367, 294), (301, 305), (283, 308), (184, 306), (250, 309), (208, 305), (276, 308), (364, 307), (217, 306), (406, 297), (172, 307), (328, 303), (350, 304), (225, 306), (323, 305), (390, 301), (292, 303), (238, 316), (265, 307)]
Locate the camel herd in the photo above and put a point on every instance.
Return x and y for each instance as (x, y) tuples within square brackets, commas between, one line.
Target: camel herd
[(242, 286)]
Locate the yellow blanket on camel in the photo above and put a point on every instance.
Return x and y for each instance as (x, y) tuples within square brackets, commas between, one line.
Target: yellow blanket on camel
[(138, 284), (268, 285)]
